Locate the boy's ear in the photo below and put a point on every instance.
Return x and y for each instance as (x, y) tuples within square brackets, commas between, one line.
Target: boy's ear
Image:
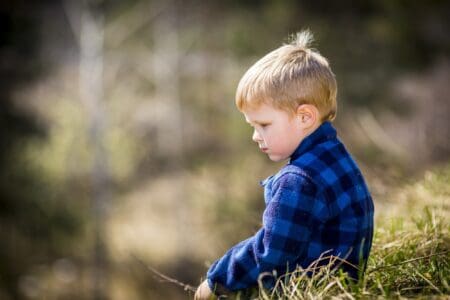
[(308, 114)]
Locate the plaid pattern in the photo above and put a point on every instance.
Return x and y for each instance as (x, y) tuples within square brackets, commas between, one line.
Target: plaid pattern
[(318, 202)]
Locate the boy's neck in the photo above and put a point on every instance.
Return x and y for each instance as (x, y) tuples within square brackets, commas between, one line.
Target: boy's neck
[(313, 128), (317, 134)]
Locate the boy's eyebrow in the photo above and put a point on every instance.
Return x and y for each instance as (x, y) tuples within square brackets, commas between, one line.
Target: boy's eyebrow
[(256, 122)]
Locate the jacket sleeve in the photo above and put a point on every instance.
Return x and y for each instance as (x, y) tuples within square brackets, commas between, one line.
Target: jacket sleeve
[(284, 235)]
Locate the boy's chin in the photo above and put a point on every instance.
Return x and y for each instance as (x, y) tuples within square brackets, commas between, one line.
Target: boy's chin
[(276, 158)]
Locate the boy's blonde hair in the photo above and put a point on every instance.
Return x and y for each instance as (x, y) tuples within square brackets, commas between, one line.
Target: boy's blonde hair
[(289, 76)]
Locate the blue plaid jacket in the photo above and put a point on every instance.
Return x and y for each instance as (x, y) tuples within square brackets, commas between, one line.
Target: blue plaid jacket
[(317, 203)]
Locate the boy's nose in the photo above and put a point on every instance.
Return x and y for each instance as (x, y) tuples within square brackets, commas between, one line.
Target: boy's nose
[(256, 137)]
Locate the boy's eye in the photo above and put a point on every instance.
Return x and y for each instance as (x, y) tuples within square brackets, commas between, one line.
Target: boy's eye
[(264, 125)]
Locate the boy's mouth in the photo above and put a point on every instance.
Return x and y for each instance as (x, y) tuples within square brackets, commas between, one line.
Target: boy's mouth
[(264, 149)]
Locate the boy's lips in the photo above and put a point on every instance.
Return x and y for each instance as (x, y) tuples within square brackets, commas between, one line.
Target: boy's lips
[(264, 149)]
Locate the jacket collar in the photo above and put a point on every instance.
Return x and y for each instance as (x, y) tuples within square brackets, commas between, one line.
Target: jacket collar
[(323, 133)]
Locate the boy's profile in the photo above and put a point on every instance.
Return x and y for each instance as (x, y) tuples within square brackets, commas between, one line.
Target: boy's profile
[(318, 202)]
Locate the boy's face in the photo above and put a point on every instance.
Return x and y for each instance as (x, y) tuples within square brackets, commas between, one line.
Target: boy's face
[(277, 132)]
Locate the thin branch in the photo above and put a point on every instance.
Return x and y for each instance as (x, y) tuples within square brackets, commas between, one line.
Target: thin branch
[(72, 13), (331, 258), (164, 277), (409, 261), (131, 21), (429, 282)]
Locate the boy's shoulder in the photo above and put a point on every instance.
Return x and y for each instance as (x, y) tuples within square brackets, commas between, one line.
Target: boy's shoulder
[(325, 163), (291, 171), (288, 177), (312, 162)]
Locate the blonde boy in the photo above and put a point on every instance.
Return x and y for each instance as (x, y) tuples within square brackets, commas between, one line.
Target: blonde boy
[(318, 202)]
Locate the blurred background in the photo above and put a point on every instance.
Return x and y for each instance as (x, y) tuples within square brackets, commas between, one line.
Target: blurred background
[(121, 146)]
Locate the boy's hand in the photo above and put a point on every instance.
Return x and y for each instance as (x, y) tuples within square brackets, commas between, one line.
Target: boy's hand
[(204, 292)]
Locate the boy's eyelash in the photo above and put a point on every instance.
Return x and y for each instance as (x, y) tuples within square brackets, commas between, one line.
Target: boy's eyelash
[(262, 125)]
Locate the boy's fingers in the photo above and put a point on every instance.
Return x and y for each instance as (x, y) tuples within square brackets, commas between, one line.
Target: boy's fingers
[(203, 292)]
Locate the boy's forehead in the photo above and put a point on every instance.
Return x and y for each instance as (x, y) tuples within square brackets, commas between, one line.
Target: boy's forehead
[(251, 114), (263, 111)]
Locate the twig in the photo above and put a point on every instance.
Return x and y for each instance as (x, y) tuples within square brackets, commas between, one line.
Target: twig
[(429, 282), (409, 261), (164, 277)]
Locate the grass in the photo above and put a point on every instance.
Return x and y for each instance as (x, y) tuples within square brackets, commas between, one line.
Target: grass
[(410, 256)]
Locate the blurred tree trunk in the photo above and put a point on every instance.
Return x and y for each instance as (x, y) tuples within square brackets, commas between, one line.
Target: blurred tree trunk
[(91, 91), (166, 75), (166, 79)]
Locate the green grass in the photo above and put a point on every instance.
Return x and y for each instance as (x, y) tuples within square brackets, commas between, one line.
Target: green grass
[(410, 256)]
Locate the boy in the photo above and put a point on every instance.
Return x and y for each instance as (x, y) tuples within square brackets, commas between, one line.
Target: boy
[(318, 203)]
